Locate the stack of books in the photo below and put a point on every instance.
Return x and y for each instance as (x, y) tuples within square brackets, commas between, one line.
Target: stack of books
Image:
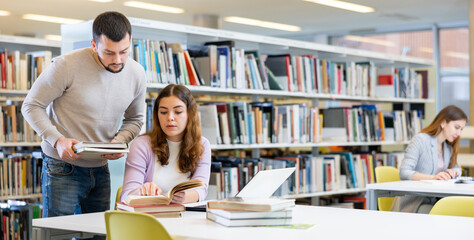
[(95, 150), (156, 210), (239, 212), (158, 206)]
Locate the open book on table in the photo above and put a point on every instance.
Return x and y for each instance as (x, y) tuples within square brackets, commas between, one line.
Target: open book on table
[(165, 198), (95, 150)]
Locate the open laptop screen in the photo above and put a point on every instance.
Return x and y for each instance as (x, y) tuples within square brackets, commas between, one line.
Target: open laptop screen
[(265, 183)]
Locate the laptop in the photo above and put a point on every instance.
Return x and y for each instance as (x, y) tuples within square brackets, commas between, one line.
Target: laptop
[(262, 185)]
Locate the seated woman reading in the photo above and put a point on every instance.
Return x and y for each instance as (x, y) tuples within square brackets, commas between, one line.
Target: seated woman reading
[(432, 155), (173, 151)]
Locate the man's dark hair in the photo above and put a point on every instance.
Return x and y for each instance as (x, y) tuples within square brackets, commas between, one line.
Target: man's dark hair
[(113, 25)]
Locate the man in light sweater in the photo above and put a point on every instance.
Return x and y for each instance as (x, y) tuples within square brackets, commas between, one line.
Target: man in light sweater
[(82, 96)]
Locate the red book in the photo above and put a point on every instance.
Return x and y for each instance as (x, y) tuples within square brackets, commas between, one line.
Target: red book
[(3, 70), (193, 80), (385, 79)]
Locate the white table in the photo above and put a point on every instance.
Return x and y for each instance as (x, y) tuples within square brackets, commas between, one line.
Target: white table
[(420, 188), (330, 223)]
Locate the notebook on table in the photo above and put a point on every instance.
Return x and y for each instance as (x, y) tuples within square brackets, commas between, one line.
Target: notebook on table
[(262, 185)]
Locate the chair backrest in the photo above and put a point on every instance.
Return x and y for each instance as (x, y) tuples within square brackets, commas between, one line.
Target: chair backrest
[(121, 225), (386, 174), (117, 197), (454, 206)]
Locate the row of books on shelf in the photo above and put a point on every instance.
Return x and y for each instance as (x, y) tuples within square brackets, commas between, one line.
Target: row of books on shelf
[(363, 123), (264, 122), (20, 174), (13, 126), (220, 64), (315, 173), (15, 219), (19, 70)]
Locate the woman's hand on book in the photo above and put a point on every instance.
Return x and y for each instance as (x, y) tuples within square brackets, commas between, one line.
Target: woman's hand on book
[(149, 189), (178, 197)]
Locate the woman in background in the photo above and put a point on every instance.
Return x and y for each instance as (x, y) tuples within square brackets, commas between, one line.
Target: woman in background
[(172, 152), (432, 155)]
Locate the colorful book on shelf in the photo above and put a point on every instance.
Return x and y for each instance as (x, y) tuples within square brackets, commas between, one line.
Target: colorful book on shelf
[(135, 200), (280, 66), (174, 207), (251, 204), (210, 123)]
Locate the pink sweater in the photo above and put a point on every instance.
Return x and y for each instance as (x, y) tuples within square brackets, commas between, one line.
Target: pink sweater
[(140, 167)]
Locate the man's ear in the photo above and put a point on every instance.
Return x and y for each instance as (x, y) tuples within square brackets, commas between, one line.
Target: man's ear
[(94, 45)]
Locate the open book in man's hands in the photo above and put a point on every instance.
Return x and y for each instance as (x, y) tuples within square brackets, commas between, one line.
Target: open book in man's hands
[(95, 150), (165, 198)]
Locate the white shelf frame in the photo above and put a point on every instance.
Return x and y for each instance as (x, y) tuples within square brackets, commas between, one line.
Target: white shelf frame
[(29, 41), (27, 196), (18, 95), (289, 43), (302, 145), (187, 35), (20, 144), (276, 93)]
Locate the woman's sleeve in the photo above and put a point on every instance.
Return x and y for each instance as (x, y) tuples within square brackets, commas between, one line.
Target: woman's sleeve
[(412, 155), (136, 166), (203, 171)]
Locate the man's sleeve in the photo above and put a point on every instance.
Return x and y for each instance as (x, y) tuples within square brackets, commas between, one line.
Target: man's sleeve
[(47, 87)]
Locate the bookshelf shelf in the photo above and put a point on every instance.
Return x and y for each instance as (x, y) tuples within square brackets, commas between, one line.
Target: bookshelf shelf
[(20, 144), (275, 93), (29, 41), (215, 35), (147, 33), (327, 193), (301, 145), (27, 196)]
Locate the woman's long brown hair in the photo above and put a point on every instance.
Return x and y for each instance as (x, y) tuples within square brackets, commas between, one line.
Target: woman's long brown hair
[(191, 148), (448, 114)]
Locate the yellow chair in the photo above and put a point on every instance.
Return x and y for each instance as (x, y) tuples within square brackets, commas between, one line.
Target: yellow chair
[(117, 197), (386, 174), (121, 225), (454, 206)]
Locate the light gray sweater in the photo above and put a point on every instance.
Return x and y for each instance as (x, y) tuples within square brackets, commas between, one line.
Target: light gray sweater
[(421, 156), (76, 98)]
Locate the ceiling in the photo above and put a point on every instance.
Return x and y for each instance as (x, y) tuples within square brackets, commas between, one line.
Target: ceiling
[(312, 18)]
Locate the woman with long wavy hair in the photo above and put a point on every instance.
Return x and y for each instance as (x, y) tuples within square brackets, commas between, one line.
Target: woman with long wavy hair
[(173, 150), (432, 155)]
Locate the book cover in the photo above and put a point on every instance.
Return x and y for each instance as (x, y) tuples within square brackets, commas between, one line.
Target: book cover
[(248, 222), (104, 145), (174, 207), (91, 150), (231, 215)]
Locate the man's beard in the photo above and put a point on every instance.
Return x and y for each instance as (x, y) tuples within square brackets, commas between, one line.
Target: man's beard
[(108, 68)]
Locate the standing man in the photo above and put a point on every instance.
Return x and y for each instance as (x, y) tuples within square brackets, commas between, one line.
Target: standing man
[(82, 96)]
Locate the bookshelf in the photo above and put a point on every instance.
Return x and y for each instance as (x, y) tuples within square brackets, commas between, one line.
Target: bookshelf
[(78, 35), (14, 95)]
